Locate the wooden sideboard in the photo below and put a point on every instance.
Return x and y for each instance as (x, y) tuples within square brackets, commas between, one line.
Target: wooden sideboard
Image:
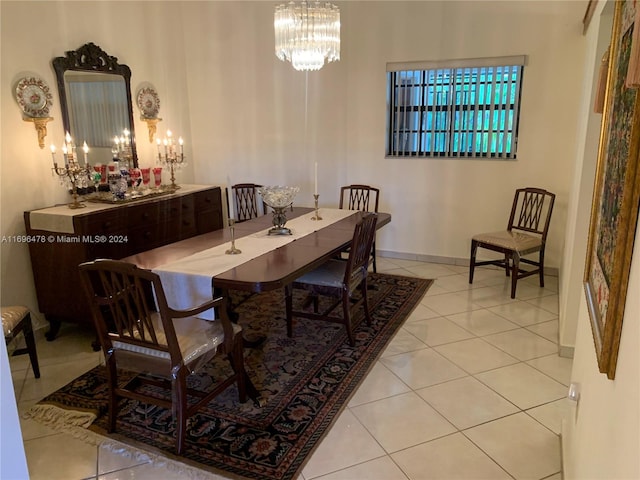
[(60, 239)]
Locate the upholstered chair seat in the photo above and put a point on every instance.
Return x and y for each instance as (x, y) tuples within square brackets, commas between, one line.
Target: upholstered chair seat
[(16, 319)]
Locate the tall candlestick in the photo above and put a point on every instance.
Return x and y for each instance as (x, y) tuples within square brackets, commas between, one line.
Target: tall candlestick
[(315, 191), (231, 199)]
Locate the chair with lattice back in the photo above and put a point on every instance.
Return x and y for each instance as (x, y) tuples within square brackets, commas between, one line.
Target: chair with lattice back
[(364, 198), (343, 283), (160, 346), (246, 201), (526, 234)]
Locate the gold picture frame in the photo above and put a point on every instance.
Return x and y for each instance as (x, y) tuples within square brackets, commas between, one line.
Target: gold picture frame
[(616, 195)]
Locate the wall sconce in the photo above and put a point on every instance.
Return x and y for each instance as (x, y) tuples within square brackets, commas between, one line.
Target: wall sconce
[(152, 126), (41, 127), (34, 98), (149, 105)]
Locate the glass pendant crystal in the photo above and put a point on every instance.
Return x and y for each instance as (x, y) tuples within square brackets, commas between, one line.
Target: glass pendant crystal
[(307, 34)]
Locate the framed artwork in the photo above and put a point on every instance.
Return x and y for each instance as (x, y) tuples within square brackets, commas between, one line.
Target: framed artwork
[(616, 195)]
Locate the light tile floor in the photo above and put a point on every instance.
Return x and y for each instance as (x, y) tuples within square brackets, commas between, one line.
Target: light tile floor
[(470, 388)]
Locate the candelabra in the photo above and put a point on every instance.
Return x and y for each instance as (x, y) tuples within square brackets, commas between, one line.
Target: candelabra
[(73, 172), (171, 158), (122, 150)]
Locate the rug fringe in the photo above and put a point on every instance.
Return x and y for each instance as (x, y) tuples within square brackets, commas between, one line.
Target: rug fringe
[(73, 422), (76, 423), (156, 460), (59, 418)]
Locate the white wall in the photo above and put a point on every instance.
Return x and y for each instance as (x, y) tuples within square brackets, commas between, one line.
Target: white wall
[(601, 436), (13, 462), (256, 107)]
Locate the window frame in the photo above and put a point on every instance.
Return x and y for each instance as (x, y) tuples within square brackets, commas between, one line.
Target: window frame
[(454, 130)]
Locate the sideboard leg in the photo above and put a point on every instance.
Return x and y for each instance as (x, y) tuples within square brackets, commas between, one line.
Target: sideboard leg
[(54, 328)]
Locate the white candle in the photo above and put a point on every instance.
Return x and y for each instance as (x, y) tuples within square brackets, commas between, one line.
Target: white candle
[(53, 154), (85, 149), (231, 198), (181, 142), (65, 155), (316, 179)]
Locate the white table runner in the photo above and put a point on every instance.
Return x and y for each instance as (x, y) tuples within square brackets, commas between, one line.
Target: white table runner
[(187, 282)]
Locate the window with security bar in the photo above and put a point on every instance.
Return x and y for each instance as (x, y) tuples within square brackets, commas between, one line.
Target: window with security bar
[(454, 108)]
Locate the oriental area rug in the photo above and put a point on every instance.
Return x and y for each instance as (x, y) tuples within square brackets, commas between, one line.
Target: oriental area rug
[(304, 383)]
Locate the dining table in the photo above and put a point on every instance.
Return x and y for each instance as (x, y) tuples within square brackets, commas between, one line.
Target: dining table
[(194, 269)]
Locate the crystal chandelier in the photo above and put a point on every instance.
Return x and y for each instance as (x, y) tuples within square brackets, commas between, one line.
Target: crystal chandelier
[(307, 34)]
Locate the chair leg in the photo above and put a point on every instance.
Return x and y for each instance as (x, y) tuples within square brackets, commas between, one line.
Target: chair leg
[(180, 406), (514, 273), (288, 297), (365, 302), (541, 268), (347, 318), (31, 345), (373, 254), (507, 261), (472, 259), (112, 379), (237, 363)]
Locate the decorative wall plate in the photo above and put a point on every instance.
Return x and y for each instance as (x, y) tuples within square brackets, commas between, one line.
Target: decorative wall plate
[(34, 97), (148, 102)]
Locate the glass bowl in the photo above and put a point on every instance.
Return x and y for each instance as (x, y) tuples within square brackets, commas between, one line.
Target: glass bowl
[(278, 196)]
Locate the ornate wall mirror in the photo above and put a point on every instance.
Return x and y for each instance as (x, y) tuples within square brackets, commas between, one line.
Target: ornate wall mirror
[(95, 99)]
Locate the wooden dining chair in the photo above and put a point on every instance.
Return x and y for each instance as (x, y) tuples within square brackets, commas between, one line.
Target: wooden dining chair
[(246, 201), (161, 346), (363, 198), (339, 280), (526, 233)]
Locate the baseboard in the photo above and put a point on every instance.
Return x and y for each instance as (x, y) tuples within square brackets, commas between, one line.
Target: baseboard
[(551, 271), (566, 351)]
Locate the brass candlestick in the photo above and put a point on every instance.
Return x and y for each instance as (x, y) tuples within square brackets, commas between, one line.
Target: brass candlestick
[(233, 250), (317, 215), (72, 170), (171, 157)]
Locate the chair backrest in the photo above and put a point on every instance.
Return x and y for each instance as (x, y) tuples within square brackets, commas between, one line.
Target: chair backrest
[(122, 302), (358, 261), (245, 198), (359, 197), (531, 211)]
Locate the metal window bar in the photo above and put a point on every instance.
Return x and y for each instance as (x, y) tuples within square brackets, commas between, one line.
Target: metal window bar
[(454, 112)]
